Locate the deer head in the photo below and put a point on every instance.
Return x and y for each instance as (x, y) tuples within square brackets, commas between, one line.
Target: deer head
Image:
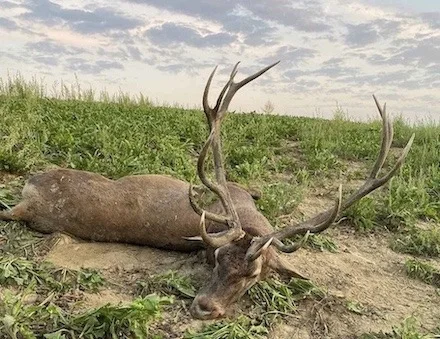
[(247, 250)]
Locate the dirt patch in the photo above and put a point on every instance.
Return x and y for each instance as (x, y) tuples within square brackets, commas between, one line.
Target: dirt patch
[(364, 271), (93, 300), (74, 254), (6, 177)]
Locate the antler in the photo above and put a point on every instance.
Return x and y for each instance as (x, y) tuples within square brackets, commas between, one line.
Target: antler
[(323, 220), (215, 116)]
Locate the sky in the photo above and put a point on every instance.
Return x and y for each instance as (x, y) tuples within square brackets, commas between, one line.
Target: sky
[(334, 53)]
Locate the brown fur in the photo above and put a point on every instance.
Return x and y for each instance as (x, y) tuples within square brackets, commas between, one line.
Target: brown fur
[(152, 210)]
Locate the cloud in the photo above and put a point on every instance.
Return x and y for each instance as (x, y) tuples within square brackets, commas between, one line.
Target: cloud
[(8, 4), (368, 33), (307, 16), (432, 18), (255, 31), (135, 53), (170, 34), (99, 20), (52, 48), (291, 56), (361, 35), (46, 60), (49, 52), (335, 68), (92, 67), (411, 52), (8, 24), (303, 85)]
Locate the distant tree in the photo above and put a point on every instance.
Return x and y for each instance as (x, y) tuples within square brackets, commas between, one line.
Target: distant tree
[(268, 107)]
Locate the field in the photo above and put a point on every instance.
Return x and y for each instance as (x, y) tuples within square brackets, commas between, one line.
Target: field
[(376, 274)]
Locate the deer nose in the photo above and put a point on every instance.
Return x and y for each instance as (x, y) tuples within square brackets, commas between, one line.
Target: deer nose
[(203, 308)]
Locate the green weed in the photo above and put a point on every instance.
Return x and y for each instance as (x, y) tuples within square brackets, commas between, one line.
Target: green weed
[(170, 283), (124, 321), (408, 329), (20, 320), (16, 239), (355, 307), (363, 214), (422, 271), (240, 328), (279, 199), (416, 241), (277, 296), (16, 271), (322, 242)]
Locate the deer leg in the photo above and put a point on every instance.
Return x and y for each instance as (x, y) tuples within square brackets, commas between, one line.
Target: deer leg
[(6, 215), (15, 214)]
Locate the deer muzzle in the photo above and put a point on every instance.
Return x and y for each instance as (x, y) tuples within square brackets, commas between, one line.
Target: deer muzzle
[(204, 308)]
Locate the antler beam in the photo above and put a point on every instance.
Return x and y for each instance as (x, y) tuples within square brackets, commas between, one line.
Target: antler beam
[(215, 116)]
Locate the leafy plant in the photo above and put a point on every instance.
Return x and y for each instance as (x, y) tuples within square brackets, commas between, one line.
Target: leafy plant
[(123, 321), (276, 296), (408, 329), (322, 242), (418, 241), (355, 307), (170, 283), (23, 272), (240, 328), (20, 320), (422, 271)]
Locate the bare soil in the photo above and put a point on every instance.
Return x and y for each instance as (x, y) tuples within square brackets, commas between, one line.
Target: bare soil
[(364, 271)]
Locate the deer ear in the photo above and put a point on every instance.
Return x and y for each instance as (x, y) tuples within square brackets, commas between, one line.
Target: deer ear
[(284, 269)]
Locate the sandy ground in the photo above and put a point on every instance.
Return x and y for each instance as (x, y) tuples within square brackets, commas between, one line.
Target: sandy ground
[(364, 271)]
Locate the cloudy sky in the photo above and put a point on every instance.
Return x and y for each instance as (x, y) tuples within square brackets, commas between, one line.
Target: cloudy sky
[(331, 51)]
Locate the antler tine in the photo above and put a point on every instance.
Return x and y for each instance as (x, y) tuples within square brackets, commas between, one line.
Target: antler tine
[(323, 220), (235, 231), (208, 110), (387, 137), (234, 87), (222, 93), (373, 182), (219, 239)]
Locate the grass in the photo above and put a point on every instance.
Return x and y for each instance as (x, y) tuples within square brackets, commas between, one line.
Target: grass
[(276, 296), (241, 328), (170, 283), (20, 320), (422, 271), (408, 329), (15, 271), (416, 241), (322, 242), (285, 157)]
